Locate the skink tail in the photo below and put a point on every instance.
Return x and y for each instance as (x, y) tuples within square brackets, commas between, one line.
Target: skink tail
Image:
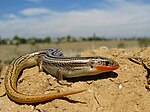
[(30, 99)]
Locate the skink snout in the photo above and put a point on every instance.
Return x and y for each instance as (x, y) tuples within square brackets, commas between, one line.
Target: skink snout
[(104, 64)]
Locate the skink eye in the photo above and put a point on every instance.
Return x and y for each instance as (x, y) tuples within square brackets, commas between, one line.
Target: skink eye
[(107, 63), (111, 63)]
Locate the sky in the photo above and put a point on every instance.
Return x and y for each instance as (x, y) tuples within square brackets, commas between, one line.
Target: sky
[(56, 18)]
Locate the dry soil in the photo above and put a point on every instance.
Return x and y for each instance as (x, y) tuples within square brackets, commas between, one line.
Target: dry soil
[(123, 90)]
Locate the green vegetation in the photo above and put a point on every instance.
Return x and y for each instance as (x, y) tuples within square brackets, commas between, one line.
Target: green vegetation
[(71, 46), (144, 42), (121, 45), (17, 40)]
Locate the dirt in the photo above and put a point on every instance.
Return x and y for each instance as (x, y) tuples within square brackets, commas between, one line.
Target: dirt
[(123, 90)]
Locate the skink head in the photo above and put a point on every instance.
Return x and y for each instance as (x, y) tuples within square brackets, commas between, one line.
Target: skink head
[(104, 64)]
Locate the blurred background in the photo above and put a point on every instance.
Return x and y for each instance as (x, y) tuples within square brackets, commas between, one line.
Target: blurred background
[(72, 25)]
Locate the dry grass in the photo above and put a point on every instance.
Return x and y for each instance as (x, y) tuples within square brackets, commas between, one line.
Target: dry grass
[(8, 52)]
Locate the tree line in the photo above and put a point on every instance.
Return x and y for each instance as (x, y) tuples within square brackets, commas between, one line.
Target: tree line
[(17, 40), (21, 40), (33, 40)]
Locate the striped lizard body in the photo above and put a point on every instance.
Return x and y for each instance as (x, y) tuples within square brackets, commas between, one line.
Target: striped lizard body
[(53, 61)]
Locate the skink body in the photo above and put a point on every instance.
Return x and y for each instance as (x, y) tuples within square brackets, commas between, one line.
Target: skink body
[(53, 61)]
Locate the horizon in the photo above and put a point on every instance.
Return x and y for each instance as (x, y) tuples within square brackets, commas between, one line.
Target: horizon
[(76, 37), (58, 18)]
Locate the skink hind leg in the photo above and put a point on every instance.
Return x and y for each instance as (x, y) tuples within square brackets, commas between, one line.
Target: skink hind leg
[(60, 78)]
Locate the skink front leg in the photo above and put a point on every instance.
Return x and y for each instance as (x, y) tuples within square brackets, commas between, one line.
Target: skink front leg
[(59, 76), (40, 63)]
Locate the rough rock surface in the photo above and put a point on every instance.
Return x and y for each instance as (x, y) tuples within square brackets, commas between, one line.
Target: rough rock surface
[(123, 90)]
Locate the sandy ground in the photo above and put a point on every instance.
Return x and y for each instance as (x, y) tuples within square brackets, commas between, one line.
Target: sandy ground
[(123, 90)]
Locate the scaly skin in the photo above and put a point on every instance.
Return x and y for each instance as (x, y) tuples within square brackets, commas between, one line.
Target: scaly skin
[(29, 60)]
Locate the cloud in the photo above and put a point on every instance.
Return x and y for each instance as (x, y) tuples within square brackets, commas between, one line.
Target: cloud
[(128, 19), (34, 11), (10, 16)]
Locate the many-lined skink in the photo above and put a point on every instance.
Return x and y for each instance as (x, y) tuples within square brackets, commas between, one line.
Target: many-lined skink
[(53, 61)]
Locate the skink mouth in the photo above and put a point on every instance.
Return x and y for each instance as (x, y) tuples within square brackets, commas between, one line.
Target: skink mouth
[(106, 68)]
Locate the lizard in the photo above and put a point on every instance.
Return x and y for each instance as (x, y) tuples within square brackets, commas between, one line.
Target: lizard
[(54, 62)]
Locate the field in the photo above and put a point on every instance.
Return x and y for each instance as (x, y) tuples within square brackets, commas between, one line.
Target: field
[(8, 52)]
